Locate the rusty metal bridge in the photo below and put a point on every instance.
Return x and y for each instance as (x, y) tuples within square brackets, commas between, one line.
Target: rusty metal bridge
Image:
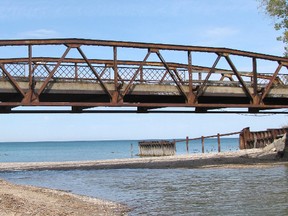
[(77, 75)]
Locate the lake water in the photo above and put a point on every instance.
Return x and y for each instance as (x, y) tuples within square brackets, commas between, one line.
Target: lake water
[(253, 191), (95, 150), (246, 191)]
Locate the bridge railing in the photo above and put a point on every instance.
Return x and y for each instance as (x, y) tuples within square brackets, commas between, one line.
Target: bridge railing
[(148, 75)]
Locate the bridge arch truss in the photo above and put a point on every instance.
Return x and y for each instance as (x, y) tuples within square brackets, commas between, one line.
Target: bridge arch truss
[(138, 77)]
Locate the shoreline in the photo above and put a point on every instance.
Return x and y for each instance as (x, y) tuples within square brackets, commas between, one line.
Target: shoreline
[(29, 200), (239, 158)]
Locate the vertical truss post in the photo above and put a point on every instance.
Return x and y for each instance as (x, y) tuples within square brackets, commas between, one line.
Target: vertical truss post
[(30, 66), (191, 95), (115, 68), (190, 71), (30, 95), (255, 76), (115, 94), (76, 71), (256, 99), (141, 75)]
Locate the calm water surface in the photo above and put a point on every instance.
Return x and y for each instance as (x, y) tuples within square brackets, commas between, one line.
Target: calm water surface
[(94, 150), (248, 191)]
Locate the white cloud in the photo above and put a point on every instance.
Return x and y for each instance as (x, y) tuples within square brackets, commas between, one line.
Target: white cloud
[(221, 32), (39, 33)]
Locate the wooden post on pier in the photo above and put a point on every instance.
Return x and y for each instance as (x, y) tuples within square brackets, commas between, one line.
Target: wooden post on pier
[(219, 143), (202, 138), (187, 144), (131, 150)]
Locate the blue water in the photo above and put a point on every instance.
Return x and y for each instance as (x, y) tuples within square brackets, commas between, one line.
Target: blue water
[(247, 191), (95, 150)]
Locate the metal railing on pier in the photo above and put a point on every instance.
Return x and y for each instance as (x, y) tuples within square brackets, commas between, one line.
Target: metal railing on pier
[(202, 138)]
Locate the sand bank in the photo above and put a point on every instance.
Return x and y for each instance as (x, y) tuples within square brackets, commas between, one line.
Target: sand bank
[(28, 200), (242, 157)]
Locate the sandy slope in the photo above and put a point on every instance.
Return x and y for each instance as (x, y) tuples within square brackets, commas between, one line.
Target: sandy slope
[(27, 200)]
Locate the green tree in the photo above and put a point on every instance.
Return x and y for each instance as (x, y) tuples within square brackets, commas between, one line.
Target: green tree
[(278, 10)]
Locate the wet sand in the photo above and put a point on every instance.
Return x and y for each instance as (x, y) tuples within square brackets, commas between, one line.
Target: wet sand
[(27, 200)]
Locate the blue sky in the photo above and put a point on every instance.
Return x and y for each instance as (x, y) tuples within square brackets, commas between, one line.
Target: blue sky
[(222, 23)]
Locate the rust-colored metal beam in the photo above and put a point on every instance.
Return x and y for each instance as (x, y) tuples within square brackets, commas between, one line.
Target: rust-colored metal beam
[(200, 90), (244, 86), (268, 87), (148, 105), (145, 77), (179, 86), (94, 71), (44, 85), (135, 74), (110, 63), (12, 80), (87, 42), (191, 95)]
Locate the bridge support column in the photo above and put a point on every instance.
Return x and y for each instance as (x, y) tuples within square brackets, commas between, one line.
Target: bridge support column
[(30, 97), (191, 99), (116, 98)]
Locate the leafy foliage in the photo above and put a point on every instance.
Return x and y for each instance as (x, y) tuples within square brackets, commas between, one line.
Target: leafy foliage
[(278, 9)]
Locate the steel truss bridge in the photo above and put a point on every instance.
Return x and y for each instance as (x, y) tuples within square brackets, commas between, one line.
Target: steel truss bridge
[(77, 75)]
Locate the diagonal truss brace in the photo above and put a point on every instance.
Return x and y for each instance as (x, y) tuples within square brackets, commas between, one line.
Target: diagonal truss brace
[(179, 86), (268, 87), (212, 70), (12, 80), (136, 73), (94, 71), (244, 87), (44, 85)]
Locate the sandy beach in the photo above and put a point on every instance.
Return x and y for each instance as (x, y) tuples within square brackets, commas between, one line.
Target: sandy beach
[(206, 160), (28, 200)]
